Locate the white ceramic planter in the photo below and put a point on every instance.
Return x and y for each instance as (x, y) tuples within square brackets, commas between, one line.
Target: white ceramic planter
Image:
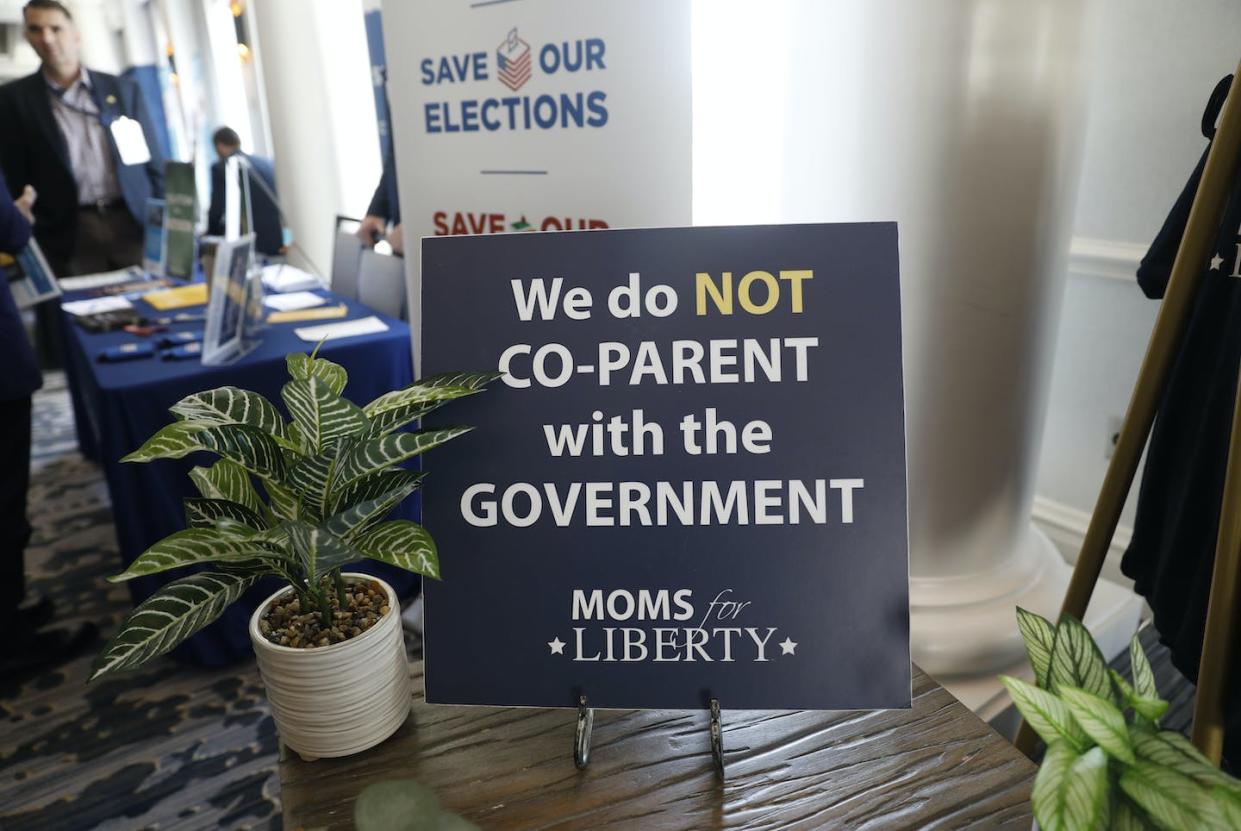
[(340, 699)]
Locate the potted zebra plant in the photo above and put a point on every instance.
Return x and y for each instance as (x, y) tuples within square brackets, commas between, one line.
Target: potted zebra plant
[(329, 644), (1108, 764)]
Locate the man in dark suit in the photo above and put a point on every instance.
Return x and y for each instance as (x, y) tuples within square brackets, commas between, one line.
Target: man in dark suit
[(86, 143), (24, 645), (265, 213)]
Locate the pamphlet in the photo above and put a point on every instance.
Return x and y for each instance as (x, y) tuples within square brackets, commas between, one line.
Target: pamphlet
[(293, 300), (178, 298), (95, 305), (347, 329)]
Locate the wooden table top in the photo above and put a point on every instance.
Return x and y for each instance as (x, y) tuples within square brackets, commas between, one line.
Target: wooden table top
[(935, 766)]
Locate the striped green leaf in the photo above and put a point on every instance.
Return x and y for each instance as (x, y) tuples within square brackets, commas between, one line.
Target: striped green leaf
[(1143, 675), (170, 442), (1071, 790), (319, 550), (1047, 715), (414, 396), (1076, 661), (1148, 710), (385, 422), (1170, 799), (191, 546), (250, 447), (321, 415), (301, 367), (232, 528), (285, 503), (1101, 721), (1171, 750), (168, 617), (1127, 817), (1039, 636), (227, 480), (257, 567), (297, 441), (376, 454), (205, 513), (469, 380), (1121, 686), (230, 405), (370, 487), (1151, 710), (253, 449), (396, 409), (1229, 805), (352, 521), (311, 477), (403, 544)]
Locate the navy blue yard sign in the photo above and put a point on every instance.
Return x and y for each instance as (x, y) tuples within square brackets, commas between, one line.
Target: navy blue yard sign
[(690, 482)]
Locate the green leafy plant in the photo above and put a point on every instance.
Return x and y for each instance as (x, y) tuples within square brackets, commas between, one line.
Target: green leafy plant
[(404, 805), (1108, 765), (330, 476)]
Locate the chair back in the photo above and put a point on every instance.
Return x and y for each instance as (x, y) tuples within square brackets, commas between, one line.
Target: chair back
[(346, 259), (381, 283)]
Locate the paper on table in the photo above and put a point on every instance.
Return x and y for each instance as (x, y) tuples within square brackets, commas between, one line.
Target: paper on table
[(345, 329), (301, 315), (107, 278), (178, 298), (281, 277), (293, 300), (96, 305)]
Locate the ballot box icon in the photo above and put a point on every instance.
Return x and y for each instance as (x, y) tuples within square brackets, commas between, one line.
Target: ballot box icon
[(513, 61)]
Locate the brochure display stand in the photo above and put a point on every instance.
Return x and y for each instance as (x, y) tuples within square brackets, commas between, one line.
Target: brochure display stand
[(1218, 648), (29, 277), (229, 321)]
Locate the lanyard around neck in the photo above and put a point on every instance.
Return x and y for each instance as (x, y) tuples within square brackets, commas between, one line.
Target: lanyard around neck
[(61, 97)]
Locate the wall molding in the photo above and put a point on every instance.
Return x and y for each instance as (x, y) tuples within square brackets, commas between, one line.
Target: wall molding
[(1105, 258), (1066, 526)]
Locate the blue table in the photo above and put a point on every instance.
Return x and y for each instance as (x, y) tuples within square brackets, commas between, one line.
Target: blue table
[(118, 406)]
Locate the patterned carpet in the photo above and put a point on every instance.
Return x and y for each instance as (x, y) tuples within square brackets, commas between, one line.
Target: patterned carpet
[(166, 747)]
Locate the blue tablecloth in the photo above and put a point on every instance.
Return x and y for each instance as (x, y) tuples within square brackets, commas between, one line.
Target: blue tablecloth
[(118, 406)]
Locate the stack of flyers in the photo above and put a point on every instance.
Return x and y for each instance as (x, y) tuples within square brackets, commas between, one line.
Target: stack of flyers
[(513, 60)]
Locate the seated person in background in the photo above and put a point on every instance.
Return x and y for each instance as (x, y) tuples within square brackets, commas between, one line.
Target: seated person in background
[(268, 228), (385, 209)]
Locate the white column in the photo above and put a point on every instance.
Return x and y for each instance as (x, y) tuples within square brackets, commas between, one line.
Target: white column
[(225, 67), (100, 40), (137, 36), (324, 138), (961, 120)]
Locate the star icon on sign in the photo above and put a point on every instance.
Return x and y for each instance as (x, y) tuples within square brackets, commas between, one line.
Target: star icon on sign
[(556, 646), (1216, 261), (787, 646)]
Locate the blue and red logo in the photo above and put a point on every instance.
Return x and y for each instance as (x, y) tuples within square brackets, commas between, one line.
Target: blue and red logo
[(513, 62)]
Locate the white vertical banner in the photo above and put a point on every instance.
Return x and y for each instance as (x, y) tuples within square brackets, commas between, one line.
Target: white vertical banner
[(532, 115)]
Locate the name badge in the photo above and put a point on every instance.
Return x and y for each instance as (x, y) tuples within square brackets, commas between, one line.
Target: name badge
[(131, 144)]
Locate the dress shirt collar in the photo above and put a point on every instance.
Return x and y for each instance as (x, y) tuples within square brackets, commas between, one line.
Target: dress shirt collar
[(83, 79)]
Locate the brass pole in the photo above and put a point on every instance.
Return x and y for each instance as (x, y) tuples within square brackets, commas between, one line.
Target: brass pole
[(1183, 283), (1218, 642)]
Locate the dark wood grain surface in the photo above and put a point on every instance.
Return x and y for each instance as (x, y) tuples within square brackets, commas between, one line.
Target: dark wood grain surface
[(935, 766)]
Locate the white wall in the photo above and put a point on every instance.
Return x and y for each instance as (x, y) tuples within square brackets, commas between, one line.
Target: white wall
[(1155, 64), (324, 136)]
